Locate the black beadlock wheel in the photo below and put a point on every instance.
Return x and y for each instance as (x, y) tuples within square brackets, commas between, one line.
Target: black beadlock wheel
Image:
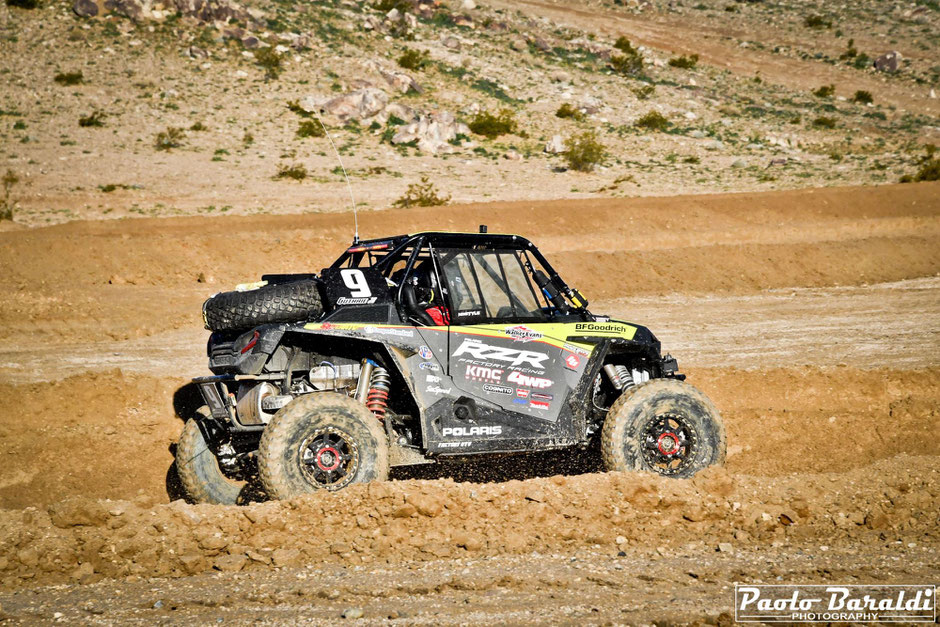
[(663, 426), (283, 302), (198, 469), (322, 441)]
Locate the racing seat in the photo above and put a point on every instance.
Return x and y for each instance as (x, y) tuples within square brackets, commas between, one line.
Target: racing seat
[(418, 294)]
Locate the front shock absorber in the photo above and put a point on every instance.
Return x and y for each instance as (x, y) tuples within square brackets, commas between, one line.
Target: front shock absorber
[(377, 397), (620, 376)]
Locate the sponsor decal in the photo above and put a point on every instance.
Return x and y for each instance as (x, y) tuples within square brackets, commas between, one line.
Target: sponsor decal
[(436, 389), (425, 352), (542, 397), (471, 312), (433, 379), (327, 326), (343, 300), (428, 365), (482, 373), (576, 349), (463, 444), (478, 350), (520, 401), (462, 432), (522, 393), (528, 381), (600, 327), (522, 333), (538, 404), (779, 603), (389, 331), (572, 362), (497, 389)]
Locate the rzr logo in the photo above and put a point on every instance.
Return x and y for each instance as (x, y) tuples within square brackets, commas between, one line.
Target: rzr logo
[(526, 381), (479, 350), (465, 431)]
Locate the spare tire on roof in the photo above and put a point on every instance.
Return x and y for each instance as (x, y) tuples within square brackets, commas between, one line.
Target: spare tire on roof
[(283, 302)]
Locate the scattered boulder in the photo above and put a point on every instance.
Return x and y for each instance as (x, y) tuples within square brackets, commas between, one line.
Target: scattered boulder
[(889, 62), (358, 105), (432, 133), (451, 42), (400, 81), (468, 5), (77, 512), (555, 146), (518, 44), (463, 20), (85, 8)]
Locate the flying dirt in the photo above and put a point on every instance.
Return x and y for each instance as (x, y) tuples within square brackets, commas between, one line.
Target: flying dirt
[(824, 369)]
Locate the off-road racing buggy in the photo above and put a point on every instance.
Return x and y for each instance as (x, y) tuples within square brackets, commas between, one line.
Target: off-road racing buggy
[(421, 348)]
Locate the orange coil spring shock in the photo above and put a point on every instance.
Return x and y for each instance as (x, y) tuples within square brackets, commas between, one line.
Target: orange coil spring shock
[(377, 398)]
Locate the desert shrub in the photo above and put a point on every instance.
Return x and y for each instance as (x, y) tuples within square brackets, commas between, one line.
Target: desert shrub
[(423, 194), (489, 125), (684, 62), (826, 91), (294, 107), (862, 61), (863, 97), (568, 111), (691, 159), (824, 122), (623, 45), (296, 172), (269, 59), (23, 4), (7, 206), (69, 78), (413, 59), (817, 22), (247, 139), (850, 50), (310, 128), (653, 121), (583, 151), (387, 5), (644, 92), (198, 127), (19, 125), (627, 64), (169, 139), (94, 119)]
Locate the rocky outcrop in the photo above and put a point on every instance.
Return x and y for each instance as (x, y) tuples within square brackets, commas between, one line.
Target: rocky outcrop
[(432, 133)]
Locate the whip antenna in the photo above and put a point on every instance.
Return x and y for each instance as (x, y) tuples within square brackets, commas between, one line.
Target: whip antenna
[(352, 202)]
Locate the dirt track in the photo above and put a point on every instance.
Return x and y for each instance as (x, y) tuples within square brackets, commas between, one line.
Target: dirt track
[(811, 318)]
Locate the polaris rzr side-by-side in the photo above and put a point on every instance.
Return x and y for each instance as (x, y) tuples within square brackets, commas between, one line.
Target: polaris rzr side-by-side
[(419, 348)]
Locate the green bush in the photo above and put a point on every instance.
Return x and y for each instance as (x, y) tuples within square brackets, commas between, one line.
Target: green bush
[(7, 206), (69, 78), (296, 172), (385, 6), (310, 128), (413, 59), (816, 21), (583, 151), (623, 45), (568, 111), (198, 127), (489, 125), (826, 91), (684, 62), (169, 139), (630, 62), (653, 121), (23, 4), (423, 194), (95, 119), (824, 122), (644, 92), (863, 97), (269, 59)]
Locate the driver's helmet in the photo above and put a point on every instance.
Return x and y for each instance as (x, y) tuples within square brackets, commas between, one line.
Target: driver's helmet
[(427, 289)]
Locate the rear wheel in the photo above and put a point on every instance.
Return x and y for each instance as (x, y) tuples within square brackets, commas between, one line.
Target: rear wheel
[(664, 426), (321, 442), (198, 469)]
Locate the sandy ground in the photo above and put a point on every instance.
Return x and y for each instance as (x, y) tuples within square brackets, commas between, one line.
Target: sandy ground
[(810, 318)]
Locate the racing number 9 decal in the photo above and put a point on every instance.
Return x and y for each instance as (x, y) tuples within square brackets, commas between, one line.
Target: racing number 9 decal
[(355, 280)]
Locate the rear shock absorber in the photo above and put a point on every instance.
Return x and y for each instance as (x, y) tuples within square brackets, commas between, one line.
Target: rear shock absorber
[(620, 377), (379, 386)]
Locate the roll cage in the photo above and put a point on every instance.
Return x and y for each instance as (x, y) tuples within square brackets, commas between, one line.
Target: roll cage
[(397, 257)]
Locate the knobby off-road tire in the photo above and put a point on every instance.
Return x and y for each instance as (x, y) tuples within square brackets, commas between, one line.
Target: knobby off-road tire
[(198, 469), (285, 302), (664, 426), (321, 441)]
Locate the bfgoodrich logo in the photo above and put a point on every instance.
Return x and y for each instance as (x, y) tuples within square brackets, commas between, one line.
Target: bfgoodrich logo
[(835, 603)]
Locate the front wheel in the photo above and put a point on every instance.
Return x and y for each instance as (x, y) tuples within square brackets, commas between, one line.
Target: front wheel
[(322, 441), (198, 468), (664, 426)]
